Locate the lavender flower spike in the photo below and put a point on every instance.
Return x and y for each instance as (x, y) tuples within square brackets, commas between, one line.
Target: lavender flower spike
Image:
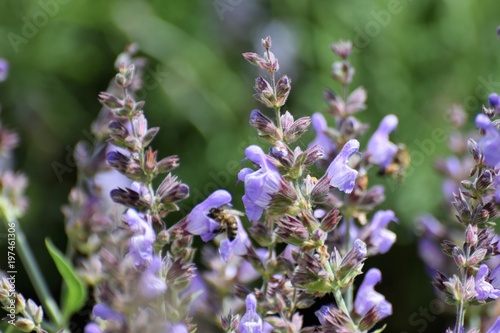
[(490, 143), (380, 150), (322, 139), (483, 288), (367, 298), (342, 176), (251, 321), (199, 222), (260, 185), (4, 69)]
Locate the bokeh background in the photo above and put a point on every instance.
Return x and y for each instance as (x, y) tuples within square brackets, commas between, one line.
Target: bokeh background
[(415, 58)]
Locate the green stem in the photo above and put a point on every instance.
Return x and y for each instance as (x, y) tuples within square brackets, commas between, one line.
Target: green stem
[(35, 275), (349, 292), (460, 307)]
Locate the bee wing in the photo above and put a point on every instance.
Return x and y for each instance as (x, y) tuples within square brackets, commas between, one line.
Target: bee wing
[(234, 212)]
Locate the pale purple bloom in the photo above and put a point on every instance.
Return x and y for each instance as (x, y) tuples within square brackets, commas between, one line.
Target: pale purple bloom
[(237, 246), (496, 327), (4, 69), (432, 255), (150, 285), (379, 237), (251, 321), (142, 190), (199, 222), (380, 150), (367, 298), (494, 101), (483, 288), (322, 139), (260, 185), (141, 243), (103, 311), (490, 143), (92, 328), (495, 277), (496, 185), (176, 328), (341, 175)]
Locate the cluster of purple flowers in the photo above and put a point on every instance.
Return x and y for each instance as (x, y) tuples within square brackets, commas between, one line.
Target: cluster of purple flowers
[(311, 218)]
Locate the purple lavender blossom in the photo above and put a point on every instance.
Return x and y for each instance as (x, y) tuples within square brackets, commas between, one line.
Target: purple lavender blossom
[(490, 143), (381, 238), (494, 101), (176, 328), (260, 185), (380, 150), (141, 244), (496, 185), (322, 139), (237, 246), (251, 321), (199, 222), (4, 69), (483, 288), (496, 327), (495, 277), (150, 285), (367, 298), (103, 311), (92, 328), (341, 175)]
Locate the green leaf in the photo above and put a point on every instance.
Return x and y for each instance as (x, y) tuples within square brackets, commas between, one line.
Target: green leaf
[(76, 294)]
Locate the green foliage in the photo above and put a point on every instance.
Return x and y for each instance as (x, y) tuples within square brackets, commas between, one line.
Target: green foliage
[(76, 291)]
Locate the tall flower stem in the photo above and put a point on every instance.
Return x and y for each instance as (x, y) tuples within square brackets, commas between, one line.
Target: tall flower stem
[(34, 273)]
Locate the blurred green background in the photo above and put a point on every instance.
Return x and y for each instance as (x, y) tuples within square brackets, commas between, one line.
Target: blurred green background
[(415, 59)]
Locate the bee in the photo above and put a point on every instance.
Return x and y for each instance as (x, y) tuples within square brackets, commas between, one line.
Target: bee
[(400, 163), (227, 220)]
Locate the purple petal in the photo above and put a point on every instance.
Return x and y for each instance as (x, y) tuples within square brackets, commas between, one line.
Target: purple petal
[(367, 297), (92, 328), (251, 321), (380, 149), (103, 311), (150, 285), (490, 143), (237, 246), (4, 69), (322, 140), (198, 221), (496, 327), (342, 176)]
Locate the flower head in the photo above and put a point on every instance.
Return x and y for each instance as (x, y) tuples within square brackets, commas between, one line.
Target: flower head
[(150, 285), (141, 243), (490, 143), (4, 69), (260, 185), (380, 149), (379, 237), (494, 101), (484, 289), (199, 221), (367, 298), (251, 321), (322, 139), (340, 174)]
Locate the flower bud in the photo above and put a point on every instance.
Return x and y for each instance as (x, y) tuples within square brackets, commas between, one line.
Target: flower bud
[(24, 324), (110, 101), (484, 180), (264, 126), (283, 87), (167, 164), (253, 58), (473, 150), (343, 48), (292, 231), (266, 43), (342, 71), (336, 104), (296, 130), (313, 154), (330, 220)]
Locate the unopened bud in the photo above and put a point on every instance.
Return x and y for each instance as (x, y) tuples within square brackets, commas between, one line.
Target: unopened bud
[(110, 101), (283, 88), (484, 181), (343, 48), (266, 43), (24, 324), (264, 126), (331, 220), (473, 150), (167, 164), (296, 130)]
